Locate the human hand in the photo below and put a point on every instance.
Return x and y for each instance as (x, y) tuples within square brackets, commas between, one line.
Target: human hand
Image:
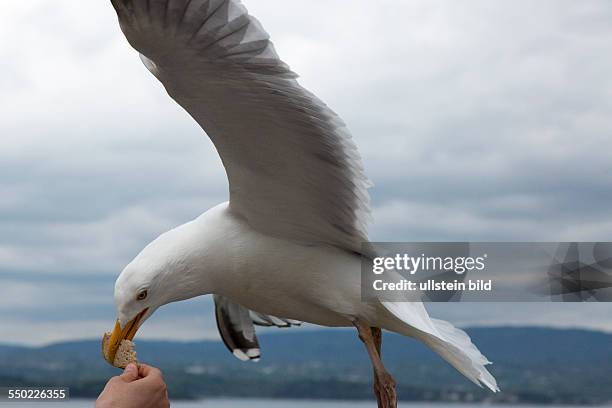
[(137, 387)]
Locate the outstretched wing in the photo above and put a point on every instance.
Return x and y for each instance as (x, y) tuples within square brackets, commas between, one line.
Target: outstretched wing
[(293, 170), (235, 324)]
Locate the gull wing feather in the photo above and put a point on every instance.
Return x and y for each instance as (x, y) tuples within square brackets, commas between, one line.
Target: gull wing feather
[(293, 169), (237, 330), (260, 319)]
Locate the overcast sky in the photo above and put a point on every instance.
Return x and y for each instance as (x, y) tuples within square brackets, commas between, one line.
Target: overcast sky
[(477, 120)]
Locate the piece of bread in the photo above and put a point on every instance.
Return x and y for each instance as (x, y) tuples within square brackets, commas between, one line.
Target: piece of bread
[(126, 353)]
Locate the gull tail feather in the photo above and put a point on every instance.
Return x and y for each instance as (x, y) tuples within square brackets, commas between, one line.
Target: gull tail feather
[(457, 349), (452, 344)]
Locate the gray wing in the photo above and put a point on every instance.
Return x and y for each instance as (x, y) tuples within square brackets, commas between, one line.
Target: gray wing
[(236, 327), (293, 169)]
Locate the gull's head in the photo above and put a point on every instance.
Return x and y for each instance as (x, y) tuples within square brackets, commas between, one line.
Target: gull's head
[(139, 290), (170, 269), (142, 287)]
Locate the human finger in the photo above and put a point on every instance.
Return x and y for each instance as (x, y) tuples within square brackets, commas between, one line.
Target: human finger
[(130, 373)]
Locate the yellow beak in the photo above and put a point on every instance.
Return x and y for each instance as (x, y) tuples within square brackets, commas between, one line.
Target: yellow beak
[(111, 343)]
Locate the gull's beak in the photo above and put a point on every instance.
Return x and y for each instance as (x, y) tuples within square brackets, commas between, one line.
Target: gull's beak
[(111, 344)]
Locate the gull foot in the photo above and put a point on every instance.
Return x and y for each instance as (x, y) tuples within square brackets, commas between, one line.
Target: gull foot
[(380, 395), (386, 384)]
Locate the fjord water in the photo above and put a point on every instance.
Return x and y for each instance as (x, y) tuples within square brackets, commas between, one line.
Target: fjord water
[(263, 403)]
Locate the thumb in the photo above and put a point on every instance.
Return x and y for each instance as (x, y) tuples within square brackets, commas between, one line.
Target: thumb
[(130, 373)]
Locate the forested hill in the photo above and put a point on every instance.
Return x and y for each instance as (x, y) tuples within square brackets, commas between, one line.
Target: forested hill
[(531, 365)]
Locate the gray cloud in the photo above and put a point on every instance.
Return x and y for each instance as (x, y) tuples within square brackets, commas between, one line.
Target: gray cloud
[(486, 120)]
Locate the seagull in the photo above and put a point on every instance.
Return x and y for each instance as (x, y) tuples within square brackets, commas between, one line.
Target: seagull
[(287, 246)]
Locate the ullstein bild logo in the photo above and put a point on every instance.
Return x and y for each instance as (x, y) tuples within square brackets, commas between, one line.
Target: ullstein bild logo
[(480, 272)]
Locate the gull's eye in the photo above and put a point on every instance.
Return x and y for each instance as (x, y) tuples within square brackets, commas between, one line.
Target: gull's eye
[(142, 295)]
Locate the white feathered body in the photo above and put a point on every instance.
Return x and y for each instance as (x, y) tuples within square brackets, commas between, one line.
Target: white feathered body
[(318, 284)]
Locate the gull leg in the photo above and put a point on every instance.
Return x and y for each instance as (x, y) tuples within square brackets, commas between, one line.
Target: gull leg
[(378, 389), (384, 384)]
